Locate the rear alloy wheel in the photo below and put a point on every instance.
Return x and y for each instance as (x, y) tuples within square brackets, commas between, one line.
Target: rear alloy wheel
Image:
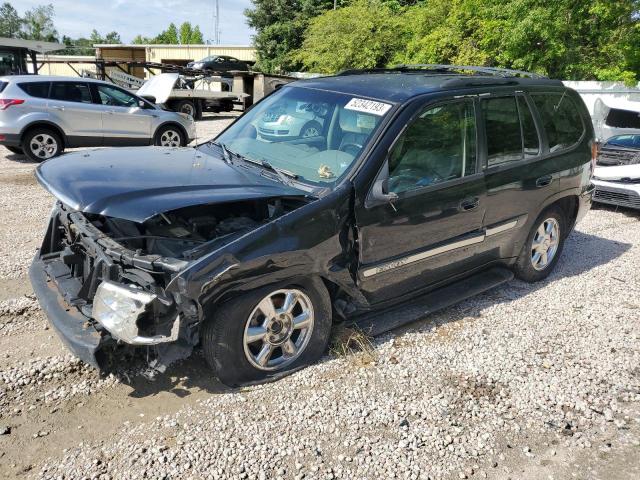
[(267, 333), (543, 247), (170, 136), (42, 144)]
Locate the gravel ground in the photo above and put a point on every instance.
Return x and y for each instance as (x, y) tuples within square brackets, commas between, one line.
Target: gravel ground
[(527, 381)]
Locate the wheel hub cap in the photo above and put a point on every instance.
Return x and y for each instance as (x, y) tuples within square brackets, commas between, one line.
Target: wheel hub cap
[(278, 329), (545, 244), (43, 146)]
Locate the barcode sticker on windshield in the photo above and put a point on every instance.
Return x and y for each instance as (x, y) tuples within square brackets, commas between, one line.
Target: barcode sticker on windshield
[(367, 106)]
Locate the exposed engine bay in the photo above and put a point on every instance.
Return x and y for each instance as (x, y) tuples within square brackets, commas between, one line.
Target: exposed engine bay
[(189, 233)]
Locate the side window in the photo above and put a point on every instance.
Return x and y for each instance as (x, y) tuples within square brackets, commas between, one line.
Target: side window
[(70, 92), (35, 89), (115, 97), (561, 119), (439, 145), (502, 124)]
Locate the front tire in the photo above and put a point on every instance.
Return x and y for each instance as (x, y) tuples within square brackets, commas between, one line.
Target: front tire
[(543, 246), (268, 333), (41, 144), (170, 136)]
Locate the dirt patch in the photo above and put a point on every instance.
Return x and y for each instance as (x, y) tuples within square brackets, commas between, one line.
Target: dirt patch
[(19, 178)]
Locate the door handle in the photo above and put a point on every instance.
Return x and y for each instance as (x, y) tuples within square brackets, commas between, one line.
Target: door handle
[(111, 112), (469, 204), (544, 181), (58, 107)]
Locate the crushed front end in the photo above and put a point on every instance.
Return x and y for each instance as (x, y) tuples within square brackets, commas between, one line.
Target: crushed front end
[(99, 294)]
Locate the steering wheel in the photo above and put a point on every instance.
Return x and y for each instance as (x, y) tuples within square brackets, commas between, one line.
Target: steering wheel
[(351, 148)]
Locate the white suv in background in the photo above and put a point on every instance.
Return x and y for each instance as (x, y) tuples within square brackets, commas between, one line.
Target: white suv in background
[(41, 116)]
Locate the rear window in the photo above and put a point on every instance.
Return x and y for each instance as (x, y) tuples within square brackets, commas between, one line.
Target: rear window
[(35, 89), (2, 86), (623, 118), (71, 92), (560, 118)]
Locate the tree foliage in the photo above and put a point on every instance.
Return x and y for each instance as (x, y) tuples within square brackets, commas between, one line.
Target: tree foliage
[(37, 24), (10, 21), (568, 39)]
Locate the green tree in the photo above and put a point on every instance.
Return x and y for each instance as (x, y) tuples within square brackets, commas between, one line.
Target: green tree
[(141, 40), (38, 24), (364, 34), (279, 26), (169, 36), (196, 36), (185, 33), (10, 21)]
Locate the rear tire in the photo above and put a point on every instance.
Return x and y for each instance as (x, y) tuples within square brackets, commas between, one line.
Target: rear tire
[(170, 136), (41, 144), (543, 246), (16, 150), (188, 107), (236, 333)]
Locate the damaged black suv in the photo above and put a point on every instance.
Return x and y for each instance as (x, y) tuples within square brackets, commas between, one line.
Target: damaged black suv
[(418, 187)]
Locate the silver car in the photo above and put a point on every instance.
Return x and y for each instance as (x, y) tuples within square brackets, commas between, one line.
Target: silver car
[(41, 116)]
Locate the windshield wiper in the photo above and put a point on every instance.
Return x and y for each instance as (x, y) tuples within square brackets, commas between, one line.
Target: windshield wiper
[(225, 151), (284, 175)]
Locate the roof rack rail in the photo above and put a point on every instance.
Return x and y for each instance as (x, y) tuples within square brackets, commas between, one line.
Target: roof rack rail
[(438, 68)]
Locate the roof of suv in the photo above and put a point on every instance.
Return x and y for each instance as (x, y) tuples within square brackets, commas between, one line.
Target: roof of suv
[(400, 85), (47, 78)]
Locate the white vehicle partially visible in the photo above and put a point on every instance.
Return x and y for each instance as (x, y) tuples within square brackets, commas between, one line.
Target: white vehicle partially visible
[(293, 120), (617, 172), (41, 116)]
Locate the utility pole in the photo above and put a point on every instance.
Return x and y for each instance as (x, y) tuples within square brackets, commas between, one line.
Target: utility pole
[(216, 23), (335, 4)]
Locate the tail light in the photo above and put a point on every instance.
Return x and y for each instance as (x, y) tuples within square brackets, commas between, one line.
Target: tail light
[(7, 102)]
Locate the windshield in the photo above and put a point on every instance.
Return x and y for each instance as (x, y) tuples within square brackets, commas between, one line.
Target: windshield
[(312, 135)]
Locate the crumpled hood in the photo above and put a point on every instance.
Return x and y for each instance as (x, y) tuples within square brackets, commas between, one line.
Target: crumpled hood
[(618, 172), (140, 182)]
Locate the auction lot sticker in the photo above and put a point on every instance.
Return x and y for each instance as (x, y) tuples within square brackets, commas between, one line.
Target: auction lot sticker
[(367, 106)]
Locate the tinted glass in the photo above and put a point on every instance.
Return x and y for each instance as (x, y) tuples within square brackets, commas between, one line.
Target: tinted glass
[(628, 141), (560, 118), (2, 86), (70, 92), (529, 132), (502, 124), (115, 97), (35, 89), (623, 118), (439, 145)]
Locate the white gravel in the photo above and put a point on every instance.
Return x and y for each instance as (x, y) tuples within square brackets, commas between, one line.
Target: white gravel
[(499, 385)]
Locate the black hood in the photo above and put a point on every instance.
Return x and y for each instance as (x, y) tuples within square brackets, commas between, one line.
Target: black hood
[(138, 183)]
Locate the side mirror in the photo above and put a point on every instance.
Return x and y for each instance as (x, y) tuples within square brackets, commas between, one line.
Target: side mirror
[(379, 192)]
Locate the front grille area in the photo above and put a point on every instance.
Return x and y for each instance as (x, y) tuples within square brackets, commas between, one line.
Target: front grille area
[(626, 199)]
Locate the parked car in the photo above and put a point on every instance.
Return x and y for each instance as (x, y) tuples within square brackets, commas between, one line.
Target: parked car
[(424, 186), (617, 174), (41, 116), (296, 119), (219, 63)]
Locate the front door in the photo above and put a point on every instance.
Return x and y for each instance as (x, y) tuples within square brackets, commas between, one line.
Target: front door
[(71, 105), (433, 230), (123, 120)]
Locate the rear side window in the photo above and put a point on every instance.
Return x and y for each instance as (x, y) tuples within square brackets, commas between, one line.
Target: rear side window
[(35, 89), (511, 131), (623, 118), (2, 86), (560, 118), (71, 92)]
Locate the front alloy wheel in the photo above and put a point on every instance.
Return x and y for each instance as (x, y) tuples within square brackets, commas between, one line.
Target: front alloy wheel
[(278, 329), (268, 332), (170, 138)]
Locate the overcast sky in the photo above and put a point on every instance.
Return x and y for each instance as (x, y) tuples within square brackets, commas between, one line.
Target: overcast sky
[(76, 18)]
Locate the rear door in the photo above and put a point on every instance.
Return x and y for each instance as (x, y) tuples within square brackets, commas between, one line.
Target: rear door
[(123, 120), (433, 231), (71, 105), (524, 166)]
